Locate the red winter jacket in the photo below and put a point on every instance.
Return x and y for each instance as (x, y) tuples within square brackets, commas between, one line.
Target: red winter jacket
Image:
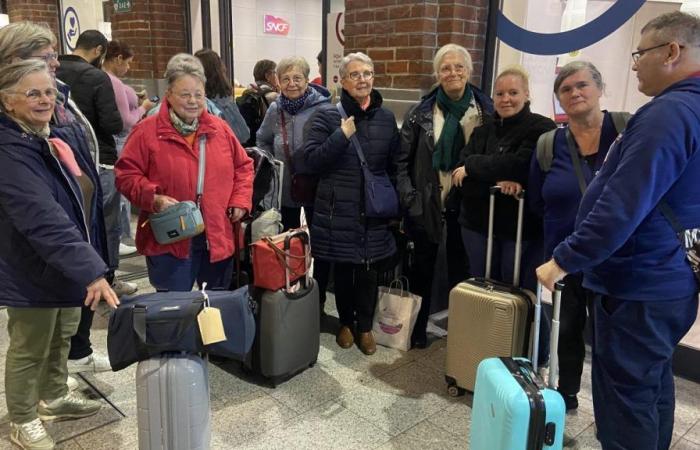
[(157, 160)]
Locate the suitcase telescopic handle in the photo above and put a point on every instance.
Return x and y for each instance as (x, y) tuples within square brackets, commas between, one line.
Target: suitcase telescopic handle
[(554, 339), (518, 234), (303, 235)]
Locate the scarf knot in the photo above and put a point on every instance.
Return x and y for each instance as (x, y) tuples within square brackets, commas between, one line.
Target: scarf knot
[(294, 106), (185, 129), (451, 140)]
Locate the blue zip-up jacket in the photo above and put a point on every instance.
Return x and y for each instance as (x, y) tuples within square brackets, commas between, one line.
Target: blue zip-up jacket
[(46, 259), (270, 138), (555, 195), (622, 243)]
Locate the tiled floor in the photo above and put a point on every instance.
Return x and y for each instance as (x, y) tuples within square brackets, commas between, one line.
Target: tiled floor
[(392, 400)]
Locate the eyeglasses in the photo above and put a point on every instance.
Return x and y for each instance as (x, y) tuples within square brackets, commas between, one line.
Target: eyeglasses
[(638, 54), (296, 80), (187, 96), (34, 95), (47, 57), (357, 76), (448, 69)]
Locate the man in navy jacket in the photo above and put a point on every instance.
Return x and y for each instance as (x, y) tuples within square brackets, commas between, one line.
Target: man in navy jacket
[(646, 294)]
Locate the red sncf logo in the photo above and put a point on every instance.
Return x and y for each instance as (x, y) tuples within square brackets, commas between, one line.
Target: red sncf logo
[(276, 25)]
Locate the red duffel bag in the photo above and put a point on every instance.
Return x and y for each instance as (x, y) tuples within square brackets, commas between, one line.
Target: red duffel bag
[(279, 261)]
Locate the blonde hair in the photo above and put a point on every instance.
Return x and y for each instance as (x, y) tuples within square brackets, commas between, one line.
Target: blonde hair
[(21, 39), (516, 71)]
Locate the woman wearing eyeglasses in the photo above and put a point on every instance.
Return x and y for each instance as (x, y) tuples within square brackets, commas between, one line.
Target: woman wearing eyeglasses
[(48, 267), (341, 231), (433, 133), (159, 168)]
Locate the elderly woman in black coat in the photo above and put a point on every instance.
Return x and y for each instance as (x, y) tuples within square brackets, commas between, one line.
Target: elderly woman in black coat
[(341, 231)]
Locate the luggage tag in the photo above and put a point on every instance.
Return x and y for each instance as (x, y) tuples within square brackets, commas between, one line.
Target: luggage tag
[(211, 327)]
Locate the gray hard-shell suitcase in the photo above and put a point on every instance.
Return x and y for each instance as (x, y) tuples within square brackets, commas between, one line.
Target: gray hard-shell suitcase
[(288, 329), (172, 399), (487, 318)]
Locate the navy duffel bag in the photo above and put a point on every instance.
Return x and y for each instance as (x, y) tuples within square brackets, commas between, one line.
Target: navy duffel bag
[(147, 325)]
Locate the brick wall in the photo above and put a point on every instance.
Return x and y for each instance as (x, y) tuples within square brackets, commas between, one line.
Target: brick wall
[(402, 37), (155, 30), (39, 11)]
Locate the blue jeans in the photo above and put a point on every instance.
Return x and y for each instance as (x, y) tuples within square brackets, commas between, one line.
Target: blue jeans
[(111, 206), (632, 381), (166, 272)]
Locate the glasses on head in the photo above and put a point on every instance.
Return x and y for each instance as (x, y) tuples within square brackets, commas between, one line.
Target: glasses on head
[(448, 69), (35, 95), (357, 76), (295, 79), (52, 56), (187, 96), (638, 54)]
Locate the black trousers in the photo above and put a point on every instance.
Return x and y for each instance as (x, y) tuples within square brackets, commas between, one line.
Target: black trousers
[(356, 294), (80, 346), (420, 274), (575, 302), (322, 269)]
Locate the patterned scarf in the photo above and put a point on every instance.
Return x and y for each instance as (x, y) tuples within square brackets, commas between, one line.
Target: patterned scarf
[(294, 106), (185, 129), (42, 133), (451, 139)]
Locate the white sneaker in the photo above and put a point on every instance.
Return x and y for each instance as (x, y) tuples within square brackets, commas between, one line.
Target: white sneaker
[(72, 384), (31, 436), (91, 363), (125, 250), (123, 287)]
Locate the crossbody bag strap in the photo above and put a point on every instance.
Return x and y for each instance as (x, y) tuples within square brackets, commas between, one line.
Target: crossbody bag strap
[(576, 160), (202, 165), (353, 139), (667, 212), (285, 142)]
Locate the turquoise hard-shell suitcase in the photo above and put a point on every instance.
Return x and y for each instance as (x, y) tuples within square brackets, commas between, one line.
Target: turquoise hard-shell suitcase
[(513, 409)]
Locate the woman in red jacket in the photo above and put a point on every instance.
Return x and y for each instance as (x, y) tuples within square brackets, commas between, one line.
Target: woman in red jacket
[(158, 168)]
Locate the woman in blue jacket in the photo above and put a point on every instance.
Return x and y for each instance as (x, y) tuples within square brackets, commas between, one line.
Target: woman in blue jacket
[(48, 267), (341, 232), (555, 192)]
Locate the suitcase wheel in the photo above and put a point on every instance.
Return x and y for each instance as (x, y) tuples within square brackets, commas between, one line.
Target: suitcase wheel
[(455, 391)]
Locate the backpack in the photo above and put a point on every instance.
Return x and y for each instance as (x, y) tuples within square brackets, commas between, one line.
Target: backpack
[(253, 105), (545, 144)]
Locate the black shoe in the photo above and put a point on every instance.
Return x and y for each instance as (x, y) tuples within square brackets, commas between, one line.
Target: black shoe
[(570, 401), (419, 340)]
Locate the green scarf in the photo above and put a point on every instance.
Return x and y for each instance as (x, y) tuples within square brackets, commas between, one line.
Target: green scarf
[(451, 140), (183, 128)]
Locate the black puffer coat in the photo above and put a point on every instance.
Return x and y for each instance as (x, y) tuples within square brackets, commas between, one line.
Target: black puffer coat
[(340, 230), (501, 150)]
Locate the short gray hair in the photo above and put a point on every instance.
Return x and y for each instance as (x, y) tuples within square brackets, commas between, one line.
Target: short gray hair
[(350, 57), (452, 48), (678, 26), (576, 66), (293, 62), (184, 64), (13, 73), (21, 39)]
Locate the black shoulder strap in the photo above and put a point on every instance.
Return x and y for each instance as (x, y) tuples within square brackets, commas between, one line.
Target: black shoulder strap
[(353, 138), (671, 217), (575, 160)]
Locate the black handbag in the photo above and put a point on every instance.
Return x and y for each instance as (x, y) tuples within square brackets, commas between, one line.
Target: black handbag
[(147, 325)]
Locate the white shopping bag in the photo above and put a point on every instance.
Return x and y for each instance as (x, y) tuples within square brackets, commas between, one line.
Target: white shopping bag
[(395, 315)]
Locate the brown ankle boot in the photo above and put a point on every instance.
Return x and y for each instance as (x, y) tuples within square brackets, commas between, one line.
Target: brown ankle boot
[(344, 337), (367, 344)]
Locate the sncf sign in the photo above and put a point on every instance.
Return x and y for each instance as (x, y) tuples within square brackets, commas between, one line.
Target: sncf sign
[(275, 25)]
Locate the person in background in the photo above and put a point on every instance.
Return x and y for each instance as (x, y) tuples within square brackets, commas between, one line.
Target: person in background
[(26, 40), (555, 194), (432, 136), (645, 290), (117, 62), (282, 134), (255, 100), (319, 60), (341, 232), (159, 168), (48, 268), (220, 91)]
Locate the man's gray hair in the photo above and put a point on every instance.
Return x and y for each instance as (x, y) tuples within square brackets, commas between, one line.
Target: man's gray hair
[(21, 39), (452, 48), (681, 27), (13, 73), (293, 62), (350, 57), (184, 64), (576, 66)]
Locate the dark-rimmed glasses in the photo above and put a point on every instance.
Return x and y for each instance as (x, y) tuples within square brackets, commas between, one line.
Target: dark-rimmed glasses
[(638, 54)]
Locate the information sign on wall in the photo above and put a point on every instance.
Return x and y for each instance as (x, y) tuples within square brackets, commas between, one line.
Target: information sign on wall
[(71, 27), (122, 6)]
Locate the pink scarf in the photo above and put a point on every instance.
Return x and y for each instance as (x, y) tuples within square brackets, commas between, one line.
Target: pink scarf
[(65, 155)]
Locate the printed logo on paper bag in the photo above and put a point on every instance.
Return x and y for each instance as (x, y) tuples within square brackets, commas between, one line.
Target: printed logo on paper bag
[(276, 25), (389, 323)]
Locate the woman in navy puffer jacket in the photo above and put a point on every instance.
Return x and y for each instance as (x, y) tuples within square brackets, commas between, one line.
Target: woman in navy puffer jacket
[(341, 232)]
